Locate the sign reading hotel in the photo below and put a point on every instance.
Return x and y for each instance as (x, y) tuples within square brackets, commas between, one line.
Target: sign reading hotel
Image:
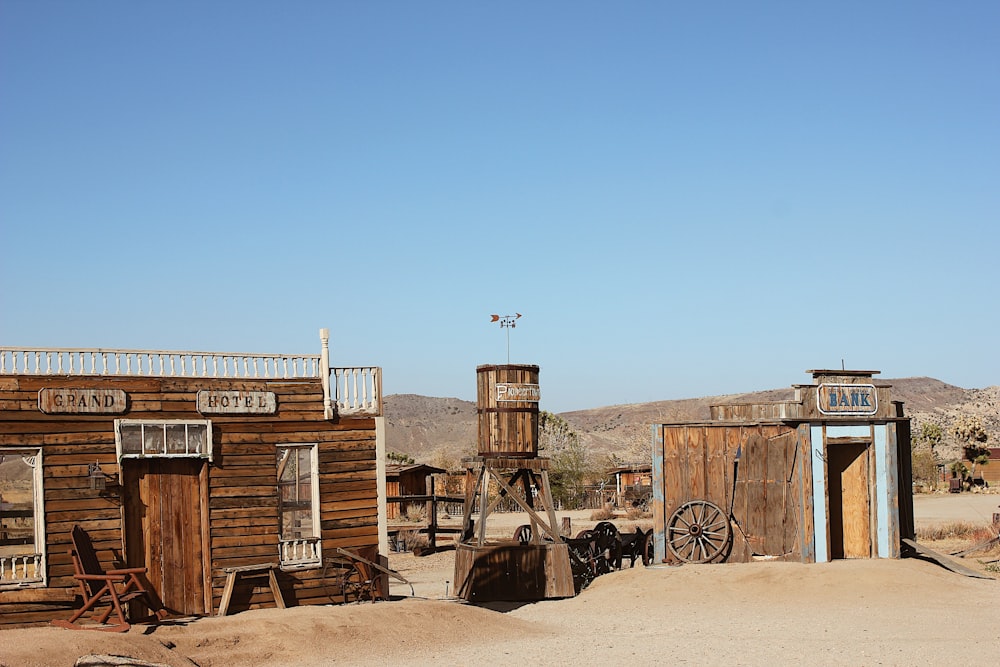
[(847, 399), (82, 401), (222, 402), (518, 391)]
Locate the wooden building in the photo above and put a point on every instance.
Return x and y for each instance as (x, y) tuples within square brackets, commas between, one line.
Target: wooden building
[(189, 464), (408, 480), (824, 476), (632, 485), (990, 473)]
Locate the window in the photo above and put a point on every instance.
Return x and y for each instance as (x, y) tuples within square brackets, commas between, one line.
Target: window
[(298, 506), (22, 519), (168, 438)]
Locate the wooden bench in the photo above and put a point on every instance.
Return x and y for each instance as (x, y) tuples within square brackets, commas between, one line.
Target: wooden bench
[(249, 572)]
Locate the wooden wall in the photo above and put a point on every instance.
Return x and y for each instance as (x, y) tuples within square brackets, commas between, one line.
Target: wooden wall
[(766, 487), (240, 508)]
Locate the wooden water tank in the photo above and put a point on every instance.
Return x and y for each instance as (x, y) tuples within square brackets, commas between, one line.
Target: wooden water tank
[(507, 406)]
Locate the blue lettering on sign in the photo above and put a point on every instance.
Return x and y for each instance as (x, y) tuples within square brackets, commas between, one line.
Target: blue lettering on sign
[(847, 399)]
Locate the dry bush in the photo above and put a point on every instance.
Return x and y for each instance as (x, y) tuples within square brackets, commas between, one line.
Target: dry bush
[(603, 514), (416, 513), (630, 526), (410, 539), (957, 530), (636, 513)]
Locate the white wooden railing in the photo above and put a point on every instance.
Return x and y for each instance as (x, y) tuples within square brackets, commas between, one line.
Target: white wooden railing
[(358, 391), (351, 391), (21, 569), (78, 361), (300, 552)]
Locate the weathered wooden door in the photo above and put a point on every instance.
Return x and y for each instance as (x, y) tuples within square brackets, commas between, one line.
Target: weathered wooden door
[(165, 531), (763, 504), (850, 504)]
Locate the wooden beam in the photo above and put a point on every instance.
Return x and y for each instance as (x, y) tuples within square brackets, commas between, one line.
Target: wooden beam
[(943, 561)]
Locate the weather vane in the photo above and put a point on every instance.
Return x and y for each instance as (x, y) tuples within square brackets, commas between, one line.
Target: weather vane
[(507, 322)]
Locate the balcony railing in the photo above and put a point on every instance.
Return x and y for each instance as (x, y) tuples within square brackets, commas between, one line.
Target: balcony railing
[(21, 569), (303, 552), (350, 391), (156, 363), (357, 391)]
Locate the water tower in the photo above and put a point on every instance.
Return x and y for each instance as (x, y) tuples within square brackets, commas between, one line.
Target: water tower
[(507, 468)]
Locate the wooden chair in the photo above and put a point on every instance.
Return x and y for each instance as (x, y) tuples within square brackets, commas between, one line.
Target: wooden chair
[(98, 587)]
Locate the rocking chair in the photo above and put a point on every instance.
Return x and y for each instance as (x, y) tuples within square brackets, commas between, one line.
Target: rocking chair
[(114, 588)]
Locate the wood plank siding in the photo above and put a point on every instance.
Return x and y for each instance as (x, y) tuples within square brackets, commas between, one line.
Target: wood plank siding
[(230, 504), (762, 485), (824, 476)]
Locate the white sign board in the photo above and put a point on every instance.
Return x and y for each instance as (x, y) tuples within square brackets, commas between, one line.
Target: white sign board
[(518, 391)]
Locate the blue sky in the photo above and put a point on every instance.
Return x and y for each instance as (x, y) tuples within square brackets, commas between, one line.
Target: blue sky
[(683, 199)]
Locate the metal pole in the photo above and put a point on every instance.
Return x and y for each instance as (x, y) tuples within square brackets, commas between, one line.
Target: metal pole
[(508, 346)]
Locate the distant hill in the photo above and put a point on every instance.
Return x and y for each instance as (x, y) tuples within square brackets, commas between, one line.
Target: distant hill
[(441, 431)]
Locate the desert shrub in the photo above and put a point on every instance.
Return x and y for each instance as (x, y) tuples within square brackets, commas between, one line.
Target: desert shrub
[(924, 466), (636, 513), (603, 514), (630, 526), (416, 513), (407, 540), (961, 530)]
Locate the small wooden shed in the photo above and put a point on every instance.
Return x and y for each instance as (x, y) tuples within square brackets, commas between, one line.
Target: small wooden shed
[(824, 476), (991, 471), (631, 484), (190, 464), (403, 480)]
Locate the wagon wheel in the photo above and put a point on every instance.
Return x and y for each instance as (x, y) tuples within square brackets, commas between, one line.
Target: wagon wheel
[(609, 547), (582, 560), (523, 534), (698, 531), (647, 547)]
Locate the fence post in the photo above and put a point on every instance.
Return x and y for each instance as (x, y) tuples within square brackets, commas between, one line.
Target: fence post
[(431, 512)]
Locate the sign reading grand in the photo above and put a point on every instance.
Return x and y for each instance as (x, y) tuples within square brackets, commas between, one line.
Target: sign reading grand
[(847, 399), (225, 402), (82, 401), (518, 391)]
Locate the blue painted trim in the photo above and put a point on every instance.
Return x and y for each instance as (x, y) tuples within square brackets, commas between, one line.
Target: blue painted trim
[(882, 518), (659, 511), (854, 431), (819, 493)]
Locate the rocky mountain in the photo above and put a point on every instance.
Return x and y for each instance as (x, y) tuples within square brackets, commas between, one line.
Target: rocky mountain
[(440, 431)]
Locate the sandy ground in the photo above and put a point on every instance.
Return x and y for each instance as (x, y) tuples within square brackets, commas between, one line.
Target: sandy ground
[(865, 612)]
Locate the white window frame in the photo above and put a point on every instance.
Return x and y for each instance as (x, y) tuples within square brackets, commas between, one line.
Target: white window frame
[(39, 576), (163, 424), (301, 553)]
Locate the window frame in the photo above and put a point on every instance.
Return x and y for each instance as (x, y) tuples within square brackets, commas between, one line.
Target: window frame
[(290, 551), (163, 454), (38, 507)]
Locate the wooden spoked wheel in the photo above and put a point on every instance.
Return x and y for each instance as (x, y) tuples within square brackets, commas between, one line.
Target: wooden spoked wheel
[(698, 531), (523, 534)]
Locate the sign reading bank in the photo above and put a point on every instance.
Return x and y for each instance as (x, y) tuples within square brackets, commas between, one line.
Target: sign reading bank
[(847, 399)]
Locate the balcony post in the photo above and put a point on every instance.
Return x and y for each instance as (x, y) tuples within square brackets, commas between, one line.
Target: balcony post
[(324, 373)]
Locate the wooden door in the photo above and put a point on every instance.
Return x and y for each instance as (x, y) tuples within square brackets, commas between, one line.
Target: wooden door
[(850, 503), (165, 529), (763, 506)]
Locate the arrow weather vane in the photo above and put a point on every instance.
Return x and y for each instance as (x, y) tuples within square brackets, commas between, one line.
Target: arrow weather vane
[(507, 322)]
